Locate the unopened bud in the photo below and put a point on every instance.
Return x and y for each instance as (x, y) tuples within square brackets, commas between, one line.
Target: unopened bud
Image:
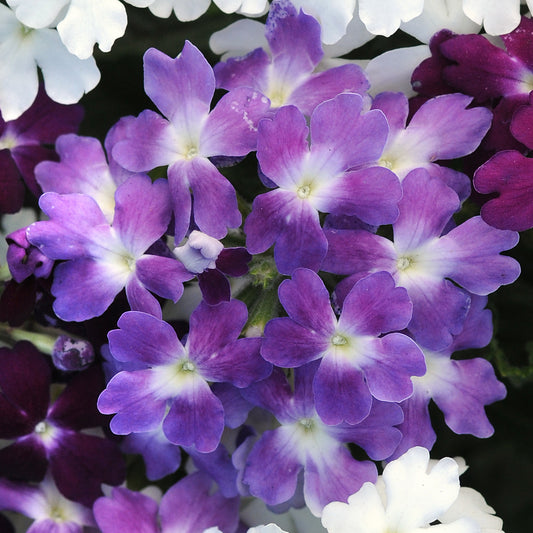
[(72, 354)]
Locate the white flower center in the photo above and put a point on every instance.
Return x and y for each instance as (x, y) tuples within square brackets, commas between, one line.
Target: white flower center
[(303, 192), (404, 262), (338, 340)]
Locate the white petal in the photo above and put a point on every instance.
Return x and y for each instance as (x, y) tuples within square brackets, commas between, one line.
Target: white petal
[(498, 16), (383, 17), (363, 513), (253, 8), (333, 20), (37, 13), (139, 3), (66, 77), (471, 504), (356, 35), (392, 70), (238, 39), (18, 72), (92, 21), (415, 498), (185, 10), (161, 8), (228, 6), (440, 14), (269, 528)]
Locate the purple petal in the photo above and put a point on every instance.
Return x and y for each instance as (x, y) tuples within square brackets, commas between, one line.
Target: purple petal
[(126, 509), (11, 187), (517, 43), (294, 40), (416, 427), (248, 71), (161, 457), (439, 311), (142, 212), (95, 460), (196, 417), (462, 389), (215, 202), (24, 382), (181, 88), (191, 506), (180, 197), (521, 123), (325, 85), (477, 329), (375, 434), (231, 128), (84, 288), (395, 107), (375, 306), (138, 407), (214, 286), (482, 70), (352, 251), (150, 141), (68, 233), (334, 478), (446, 129), (507, 173), (306, 300), (371, 194), (282, 146), (288, 344), (75, 408), (238, 363), (234, 261), (426, 207), (272, 466), (162, 275), (25, 459), (470, 255), (146, 339), (347, 137), (211, 328), (140, 299), (390, 365), (341, 393)]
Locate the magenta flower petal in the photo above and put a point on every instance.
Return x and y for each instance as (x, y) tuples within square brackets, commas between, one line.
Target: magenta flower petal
[(126, 509)]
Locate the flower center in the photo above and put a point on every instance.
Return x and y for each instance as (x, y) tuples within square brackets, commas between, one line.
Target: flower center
[(186, 366), (7, 141), (307, 424), (338, 340), (404, 262), (41, 427), (191, 152), (303, 191)]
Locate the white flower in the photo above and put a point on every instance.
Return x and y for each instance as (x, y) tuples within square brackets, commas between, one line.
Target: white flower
[(497, 16), (80, 23), (22, 49), (383, 17), (186, 10), (409, 497)]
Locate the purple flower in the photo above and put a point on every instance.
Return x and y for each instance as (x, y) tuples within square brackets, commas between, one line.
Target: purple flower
[(423, 260), (304, 454), (327, 175), (460, 388), (182, 89), (287, 77), (357, 362), (103, 259), (442, 128), (50, 436), (26, 141), (189, 506), (177, 376)]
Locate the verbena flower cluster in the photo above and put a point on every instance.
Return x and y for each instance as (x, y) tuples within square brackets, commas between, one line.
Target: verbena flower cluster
[(335, 286)]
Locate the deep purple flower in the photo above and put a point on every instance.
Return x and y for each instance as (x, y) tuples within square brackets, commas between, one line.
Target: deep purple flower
[(103, 259), (189, 506), (26, 141), (50, 436), (423, 259), (288, 78), (182, 89), (304, 454), (177, 376), (329, 174), (357, 361)]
